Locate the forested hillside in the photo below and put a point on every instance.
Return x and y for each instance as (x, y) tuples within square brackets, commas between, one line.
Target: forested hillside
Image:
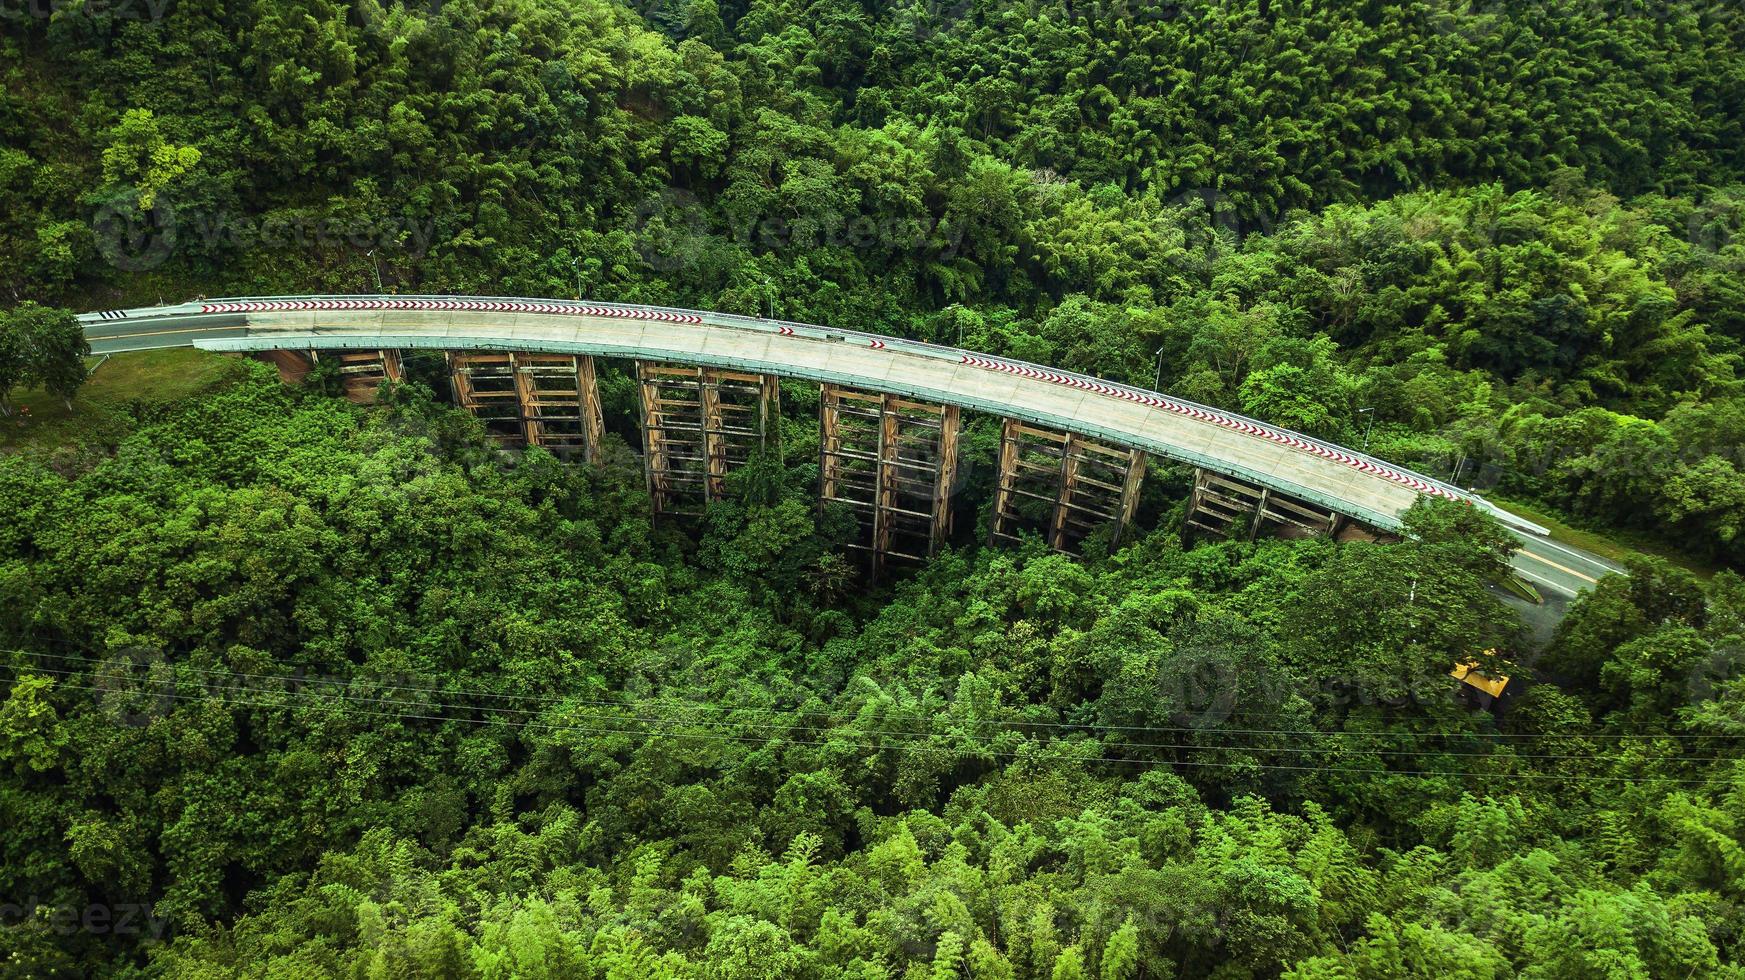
[(1500, 228), (304, 688), (344, 684)]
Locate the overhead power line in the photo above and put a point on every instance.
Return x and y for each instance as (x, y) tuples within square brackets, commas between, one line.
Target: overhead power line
[(1018, 723), (981, 751), (789, 726)]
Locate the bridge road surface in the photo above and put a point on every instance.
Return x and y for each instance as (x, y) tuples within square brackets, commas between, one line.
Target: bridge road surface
[(1332, 476)]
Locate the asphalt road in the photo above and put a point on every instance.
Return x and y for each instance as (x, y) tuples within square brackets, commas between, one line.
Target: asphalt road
[(1560, 568), (116, 336)]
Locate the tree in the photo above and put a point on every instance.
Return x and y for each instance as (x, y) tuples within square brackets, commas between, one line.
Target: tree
[(31, 735), (57, 345), (14, 361), (1459, 534), (138, 155), (41, 345)]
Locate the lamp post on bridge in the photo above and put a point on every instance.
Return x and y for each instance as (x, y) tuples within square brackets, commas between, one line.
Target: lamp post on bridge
[(1367, 429), (576, 268), (377, 266), (1157, 382)]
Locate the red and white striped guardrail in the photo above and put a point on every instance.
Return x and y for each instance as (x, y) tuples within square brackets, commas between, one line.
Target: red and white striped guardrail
[(445, 306), (1216, 418)]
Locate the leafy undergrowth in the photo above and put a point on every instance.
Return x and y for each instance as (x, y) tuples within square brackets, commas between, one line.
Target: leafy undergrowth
[(304, 688)]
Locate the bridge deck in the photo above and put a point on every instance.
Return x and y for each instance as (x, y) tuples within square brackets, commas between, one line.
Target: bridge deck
[(1332, 476)]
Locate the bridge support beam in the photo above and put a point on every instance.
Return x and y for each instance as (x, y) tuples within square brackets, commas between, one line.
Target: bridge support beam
[(698, 425), (1063, 485), (363, 371), (893, 463), (559, 404), (1224, 506), (484, 385), (545, 400)]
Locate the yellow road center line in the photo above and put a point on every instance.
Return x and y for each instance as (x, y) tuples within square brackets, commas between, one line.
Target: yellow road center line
[(158, 333), (1546, 561)]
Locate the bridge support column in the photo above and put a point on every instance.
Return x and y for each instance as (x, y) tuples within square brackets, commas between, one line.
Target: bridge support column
[(293, 365), (529, 399), (593, 419), (893, 463), (558, 403), (485, 386), (363, 371), (1288, 518), (1064, 485), (699, 424), (1223, 506)]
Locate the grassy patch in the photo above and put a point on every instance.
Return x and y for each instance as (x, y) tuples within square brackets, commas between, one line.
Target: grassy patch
[(102, 411), (1614, 546)]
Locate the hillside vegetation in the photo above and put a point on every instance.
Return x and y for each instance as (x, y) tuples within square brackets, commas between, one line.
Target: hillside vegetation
[(1513, 231), (301, 688)]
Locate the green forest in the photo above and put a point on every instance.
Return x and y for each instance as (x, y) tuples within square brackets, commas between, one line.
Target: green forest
[(295, 687)]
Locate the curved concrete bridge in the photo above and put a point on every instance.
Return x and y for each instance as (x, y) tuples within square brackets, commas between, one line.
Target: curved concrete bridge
[(1236, 455)]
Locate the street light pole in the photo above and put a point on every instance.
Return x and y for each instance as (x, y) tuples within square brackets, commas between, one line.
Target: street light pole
[(1157, 382), (1367, 429), (577, 269), (376, 266)]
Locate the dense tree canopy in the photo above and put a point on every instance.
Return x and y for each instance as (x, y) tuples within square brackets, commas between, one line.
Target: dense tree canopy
[(1498, 215), (347, 686), (295, 687)]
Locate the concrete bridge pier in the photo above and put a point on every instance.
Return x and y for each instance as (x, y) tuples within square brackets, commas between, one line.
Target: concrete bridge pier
[(893, 463), (559, 404), (293, 365), (1224, 506), (698, 425), (363, 371), (1063, 485)]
